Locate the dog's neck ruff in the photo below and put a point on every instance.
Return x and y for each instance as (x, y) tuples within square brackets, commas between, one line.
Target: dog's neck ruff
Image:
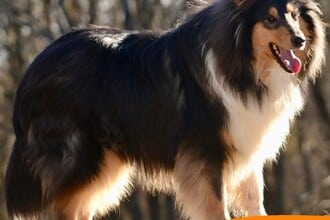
[(258, 129)]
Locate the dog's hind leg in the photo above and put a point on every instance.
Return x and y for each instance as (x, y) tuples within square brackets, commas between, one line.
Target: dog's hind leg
[(198, 190), (22, 189), (96, 197), (60, 168)]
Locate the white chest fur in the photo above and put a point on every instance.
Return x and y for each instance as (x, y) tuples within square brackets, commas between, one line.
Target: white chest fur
[(258, 131)]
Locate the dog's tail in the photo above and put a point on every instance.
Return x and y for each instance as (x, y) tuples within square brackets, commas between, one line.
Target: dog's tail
[(47, 161), (22, 188)]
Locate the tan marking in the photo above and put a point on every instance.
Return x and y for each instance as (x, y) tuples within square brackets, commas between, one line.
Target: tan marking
[(160, 181), (248, 194), (273, 12), (194, 194), (98, 196), (238, 2), (290, 8), (226, 137), (261, 37)]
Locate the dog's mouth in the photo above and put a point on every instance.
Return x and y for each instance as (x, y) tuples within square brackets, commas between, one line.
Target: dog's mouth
[(286, 58)]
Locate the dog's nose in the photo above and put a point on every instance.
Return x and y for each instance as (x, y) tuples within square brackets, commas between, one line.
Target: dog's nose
[(298, 41)]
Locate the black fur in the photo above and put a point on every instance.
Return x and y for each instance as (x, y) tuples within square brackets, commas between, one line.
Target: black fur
[(79, 97), (146, 99)]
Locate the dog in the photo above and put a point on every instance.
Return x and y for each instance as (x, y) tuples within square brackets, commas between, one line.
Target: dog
[(195, 112)]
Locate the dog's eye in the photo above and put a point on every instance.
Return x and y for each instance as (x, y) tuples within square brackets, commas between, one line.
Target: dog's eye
[(271, 19)]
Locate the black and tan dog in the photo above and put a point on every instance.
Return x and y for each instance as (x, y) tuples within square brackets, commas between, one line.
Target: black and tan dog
[(196, 111)]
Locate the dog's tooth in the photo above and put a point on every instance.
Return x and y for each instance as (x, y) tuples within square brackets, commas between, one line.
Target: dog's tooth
[(276, 50)]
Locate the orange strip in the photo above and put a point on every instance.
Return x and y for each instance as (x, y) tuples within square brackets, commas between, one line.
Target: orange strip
[(285, 217)]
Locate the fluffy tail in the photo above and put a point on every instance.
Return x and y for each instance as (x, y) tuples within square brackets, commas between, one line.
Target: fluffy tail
[(22, 188), (55, 158)]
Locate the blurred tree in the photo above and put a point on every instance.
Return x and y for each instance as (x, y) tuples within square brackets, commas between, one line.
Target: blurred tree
[(298, 183)]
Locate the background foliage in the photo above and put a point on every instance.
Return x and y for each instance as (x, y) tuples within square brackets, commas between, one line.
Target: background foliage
[(298, 184)]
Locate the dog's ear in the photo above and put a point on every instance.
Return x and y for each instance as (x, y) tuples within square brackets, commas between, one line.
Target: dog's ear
[(244, 4)]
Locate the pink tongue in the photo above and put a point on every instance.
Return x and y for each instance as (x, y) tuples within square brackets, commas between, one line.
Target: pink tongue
[(290, 60)]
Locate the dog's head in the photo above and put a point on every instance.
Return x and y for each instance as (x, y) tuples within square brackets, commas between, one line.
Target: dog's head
[(288, 33)]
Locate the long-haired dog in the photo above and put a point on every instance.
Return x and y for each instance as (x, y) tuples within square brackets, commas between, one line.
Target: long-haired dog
[(195, 111)]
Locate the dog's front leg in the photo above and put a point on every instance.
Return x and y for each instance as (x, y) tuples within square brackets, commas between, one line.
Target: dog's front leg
[(199, 190), (248, 195)]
